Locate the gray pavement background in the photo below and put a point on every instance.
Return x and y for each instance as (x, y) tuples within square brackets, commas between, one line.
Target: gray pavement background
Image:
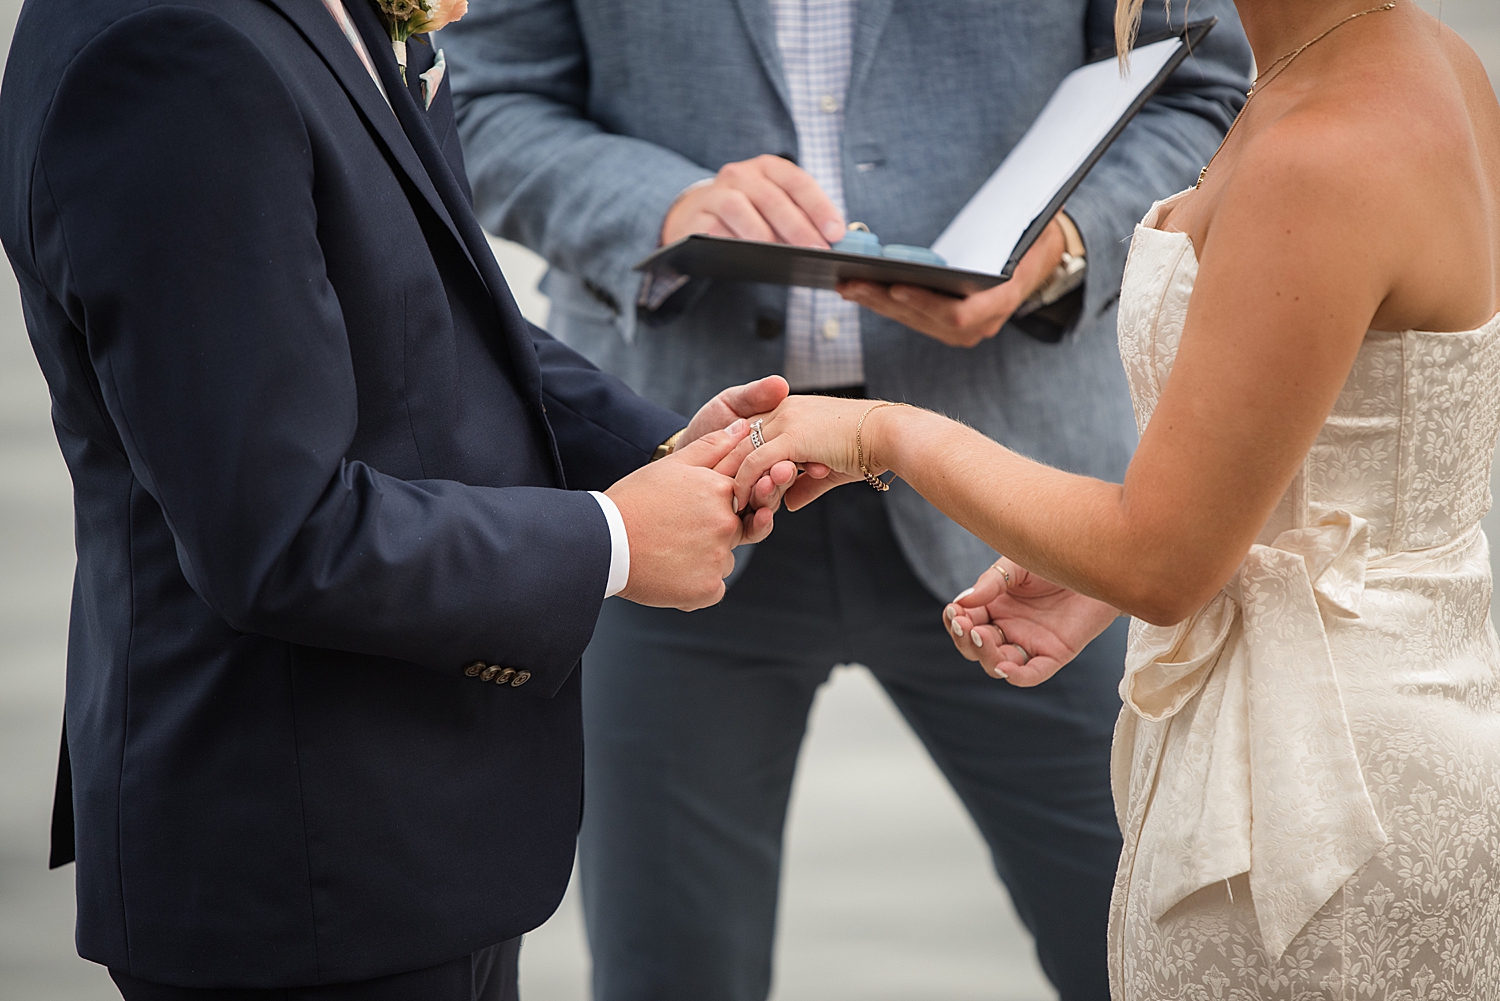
[(887, 893)]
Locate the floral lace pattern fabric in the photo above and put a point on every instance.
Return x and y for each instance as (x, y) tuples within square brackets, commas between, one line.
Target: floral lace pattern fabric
[(1307, 771)]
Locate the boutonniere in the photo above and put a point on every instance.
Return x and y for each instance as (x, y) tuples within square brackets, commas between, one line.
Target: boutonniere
[(404, 18)]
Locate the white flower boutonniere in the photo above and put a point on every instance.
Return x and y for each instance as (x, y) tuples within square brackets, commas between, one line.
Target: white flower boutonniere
[(404, 18)]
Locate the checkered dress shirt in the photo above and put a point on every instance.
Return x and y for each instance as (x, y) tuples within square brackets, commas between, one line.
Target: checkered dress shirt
[(816, 39)]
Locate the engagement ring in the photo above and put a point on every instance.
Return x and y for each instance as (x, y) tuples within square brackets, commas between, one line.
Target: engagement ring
[(756, 438)]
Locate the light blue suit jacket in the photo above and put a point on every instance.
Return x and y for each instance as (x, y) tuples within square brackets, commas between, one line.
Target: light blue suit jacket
[(582, 121)]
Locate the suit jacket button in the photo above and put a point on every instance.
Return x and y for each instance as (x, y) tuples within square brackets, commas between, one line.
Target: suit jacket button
[(505, 676), (521, 679), (490, 672), (473, 669)]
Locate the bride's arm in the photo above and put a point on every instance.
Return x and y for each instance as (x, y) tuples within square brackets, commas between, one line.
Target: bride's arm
[(1292, 271)]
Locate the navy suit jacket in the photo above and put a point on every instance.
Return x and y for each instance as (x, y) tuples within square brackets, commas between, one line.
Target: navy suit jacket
[(321, 467)]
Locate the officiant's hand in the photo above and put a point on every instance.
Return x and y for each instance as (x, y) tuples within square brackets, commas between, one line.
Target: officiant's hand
[(681, 519), (1023, 628), (766, 198), (963, 323)]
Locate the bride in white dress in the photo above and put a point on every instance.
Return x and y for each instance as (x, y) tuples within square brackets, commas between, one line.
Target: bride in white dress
[(1307, 765)]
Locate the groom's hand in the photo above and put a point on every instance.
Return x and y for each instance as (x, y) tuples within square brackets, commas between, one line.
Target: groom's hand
[(680, 519), (759, 397)]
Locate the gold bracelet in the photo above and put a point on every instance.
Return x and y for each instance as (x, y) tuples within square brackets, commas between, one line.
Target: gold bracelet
[(859, 447), (667, 447)]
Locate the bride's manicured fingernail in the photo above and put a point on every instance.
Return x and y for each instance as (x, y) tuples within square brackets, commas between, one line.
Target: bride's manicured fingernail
[(960, 596), (978, 640), (958, 630), (1001, 674)]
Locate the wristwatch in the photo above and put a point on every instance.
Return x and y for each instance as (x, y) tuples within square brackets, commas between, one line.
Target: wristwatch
[(1069, 273), (667, 447)]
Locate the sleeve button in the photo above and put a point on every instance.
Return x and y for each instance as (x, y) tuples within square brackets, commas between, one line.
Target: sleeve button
[(505, 676), (490, 672), (473, 669), (521, 679)]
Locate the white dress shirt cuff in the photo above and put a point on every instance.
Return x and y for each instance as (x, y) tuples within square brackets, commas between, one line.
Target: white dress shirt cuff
[(619, 546)]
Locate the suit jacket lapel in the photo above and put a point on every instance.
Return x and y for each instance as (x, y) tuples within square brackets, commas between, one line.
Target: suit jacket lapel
[(761, 26), (449, 194), (869, 22), (323, 34)]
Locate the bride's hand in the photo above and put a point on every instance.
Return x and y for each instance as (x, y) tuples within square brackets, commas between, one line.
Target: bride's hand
[(1021, 627), (818, 434)]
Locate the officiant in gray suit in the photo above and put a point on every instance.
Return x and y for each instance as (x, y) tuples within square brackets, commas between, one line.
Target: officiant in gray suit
[(597, 130)]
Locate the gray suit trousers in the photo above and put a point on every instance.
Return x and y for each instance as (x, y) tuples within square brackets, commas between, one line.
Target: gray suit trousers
[(692, 727)]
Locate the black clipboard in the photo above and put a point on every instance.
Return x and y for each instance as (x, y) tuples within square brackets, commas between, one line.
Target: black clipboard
[(701, 256)]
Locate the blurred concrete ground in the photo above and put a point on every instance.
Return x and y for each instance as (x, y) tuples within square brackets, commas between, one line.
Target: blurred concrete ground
[(888, 892)]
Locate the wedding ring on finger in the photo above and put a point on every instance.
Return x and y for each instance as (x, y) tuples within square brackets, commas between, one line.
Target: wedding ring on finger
[(1007, 641), (757, 438), (1001, 571)]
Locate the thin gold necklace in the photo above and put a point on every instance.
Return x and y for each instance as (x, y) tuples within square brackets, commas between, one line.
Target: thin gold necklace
[(1283, 62)]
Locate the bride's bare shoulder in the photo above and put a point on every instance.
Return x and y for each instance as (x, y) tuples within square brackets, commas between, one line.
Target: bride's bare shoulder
[(1397, 153)]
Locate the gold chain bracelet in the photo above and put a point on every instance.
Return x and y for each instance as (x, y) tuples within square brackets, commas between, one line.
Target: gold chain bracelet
[(859, 447)]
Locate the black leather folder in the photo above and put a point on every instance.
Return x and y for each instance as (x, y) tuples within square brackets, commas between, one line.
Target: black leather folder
[(701, 256)]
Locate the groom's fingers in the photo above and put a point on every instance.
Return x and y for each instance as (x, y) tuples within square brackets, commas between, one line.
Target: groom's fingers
[(710, 450), (758, 524), (770, 487), (759, 397), (730, 464), (758, 462)]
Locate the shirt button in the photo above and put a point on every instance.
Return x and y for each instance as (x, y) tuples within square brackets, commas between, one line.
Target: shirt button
[(828, 103), (830, 329)]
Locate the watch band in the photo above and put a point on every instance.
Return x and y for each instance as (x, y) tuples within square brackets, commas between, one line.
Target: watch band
[(667, 447), (1069, 273)]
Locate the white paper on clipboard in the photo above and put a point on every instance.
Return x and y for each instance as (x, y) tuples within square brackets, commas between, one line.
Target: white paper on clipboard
[(1077, 118)]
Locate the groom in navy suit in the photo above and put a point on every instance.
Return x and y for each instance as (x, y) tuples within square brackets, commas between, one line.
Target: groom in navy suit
[(338, 554)]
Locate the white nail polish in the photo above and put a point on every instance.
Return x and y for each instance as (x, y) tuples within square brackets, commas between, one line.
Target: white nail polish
[(963, 594), (1001, 675), (978, 640), (958, 630)]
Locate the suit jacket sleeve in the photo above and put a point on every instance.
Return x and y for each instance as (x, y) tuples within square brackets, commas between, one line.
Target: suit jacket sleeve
[(191, 264), (604, 430), (589, 201), (1166, 145)]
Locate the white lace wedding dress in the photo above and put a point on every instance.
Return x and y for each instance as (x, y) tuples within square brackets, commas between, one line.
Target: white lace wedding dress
[(1307, 772)]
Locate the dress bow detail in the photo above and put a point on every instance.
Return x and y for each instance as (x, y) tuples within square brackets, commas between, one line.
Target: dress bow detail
[(1263, 777)]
